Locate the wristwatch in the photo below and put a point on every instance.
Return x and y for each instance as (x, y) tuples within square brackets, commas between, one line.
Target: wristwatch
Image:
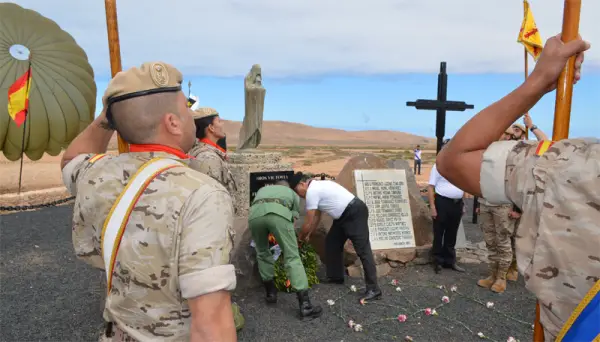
[(533, 128)]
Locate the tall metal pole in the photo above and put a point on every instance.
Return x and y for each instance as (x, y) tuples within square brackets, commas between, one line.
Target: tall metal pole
[(114, 49)]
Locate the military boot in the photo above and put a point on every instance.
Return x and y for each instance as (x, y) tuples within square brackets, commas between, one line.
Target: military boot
[(500, 283), (489, 281), (271, 291), (513, 273), (307, 310)]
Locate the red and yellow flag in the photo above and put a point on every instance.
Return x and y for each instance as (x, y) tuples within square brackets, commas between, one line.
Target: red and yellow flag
[(529, 35), (18, 98)]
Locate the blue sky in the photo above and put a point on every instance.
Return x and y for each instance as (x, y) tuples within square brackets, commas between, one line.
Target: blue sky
[(350, 65), (379, 102)]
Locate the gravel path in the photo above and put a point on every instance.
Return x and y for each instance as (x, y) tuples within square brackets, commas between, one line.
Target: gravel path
[(47, 295)]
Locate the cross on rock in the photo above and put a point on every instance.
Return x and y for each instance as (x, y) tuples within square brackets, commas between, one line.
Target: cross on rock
[(441, 105)]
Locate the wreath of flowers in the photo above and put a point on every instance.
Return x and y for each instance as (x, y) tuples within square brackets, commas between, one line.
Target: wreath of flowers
[(309, 260)]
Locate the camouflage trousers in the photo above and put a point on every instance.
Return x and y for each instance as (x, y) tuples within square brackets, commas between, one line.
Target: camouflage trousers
[(498, 233)]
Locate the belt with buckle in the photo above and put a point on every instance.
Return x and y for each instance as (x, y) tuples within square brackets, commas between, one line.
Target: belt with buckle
[(272, 200)]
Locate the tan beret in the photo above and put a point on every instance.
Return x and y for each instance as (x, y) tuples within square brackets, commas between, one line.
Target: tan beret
[(519, 126), (204, 112), (150, 76)]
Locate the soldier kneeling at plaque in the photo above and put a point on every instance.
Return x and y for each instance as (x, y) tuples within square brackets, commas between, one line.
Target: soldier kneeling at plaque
[(350, 221)]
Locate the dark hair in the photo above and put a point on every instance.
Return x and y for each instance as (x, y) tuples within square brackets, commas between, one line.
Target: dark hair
[(222, 143), (297, 178), (201, 125)]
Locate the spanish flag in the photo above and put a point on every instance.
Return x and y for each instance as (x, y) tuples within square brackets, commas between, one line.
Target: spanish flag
[(18, 98), (529, 35)]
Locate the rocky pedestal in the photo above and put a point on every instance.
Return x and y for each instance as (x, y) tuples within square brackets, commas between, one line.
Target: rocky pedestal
[(241, 164), (388, 258)]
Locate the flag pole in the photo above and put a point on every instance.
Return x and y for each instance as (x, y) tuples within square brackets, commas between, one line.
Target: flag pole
[(25, 122), (115, 51), (526, 75), (562, 110), (564, 88)]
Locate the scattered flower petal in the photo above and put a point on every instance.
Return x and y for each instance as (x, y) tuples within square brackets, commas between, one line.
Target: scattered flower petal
[(532, 326), (445, 299), (441, 287), (434, 312), (408, 338), (362, 301), (453, 288), (358, 328), (353, 288), (398, 289), (402, 318), (428, 311), (395, 282), (489, 305), (330, 302), (351, 324), (511, 339), (480, 334)]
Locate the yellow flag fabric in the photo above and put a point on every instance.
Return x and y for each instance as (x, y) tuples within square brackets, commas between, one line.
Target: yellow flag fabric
[(529, 35), (18, 98)]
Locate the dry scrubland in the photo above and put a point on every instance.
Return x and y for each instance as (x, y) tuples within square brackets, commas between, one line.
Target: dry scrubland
[(309, 149)]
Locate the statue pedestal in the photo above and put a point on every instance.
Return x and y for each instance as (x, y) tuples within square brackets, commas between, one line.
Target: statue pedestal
[(241, 164)]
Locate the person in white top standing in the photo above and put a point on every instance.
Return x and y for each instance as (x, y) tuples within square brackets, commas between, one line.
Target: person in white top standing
[(350, 221), (447, 207), (417, 153)]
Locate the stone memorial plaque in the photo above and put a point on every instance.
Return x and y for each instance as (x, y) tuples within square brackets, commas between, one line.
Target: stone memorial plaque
[(386, 194), (260, 179)]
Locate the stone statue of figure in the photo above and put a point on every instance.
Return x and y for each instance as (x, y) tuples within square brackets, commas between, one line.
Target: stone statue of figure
[(254, 92)]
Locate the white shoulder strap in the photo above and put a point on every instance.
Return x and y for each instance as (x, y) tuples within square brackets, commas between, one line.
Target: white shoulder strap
[(117, 218)]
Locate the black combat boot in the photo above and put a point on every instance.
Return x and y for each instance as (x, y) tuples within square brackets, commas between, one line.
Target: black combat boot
[(271, 291), (307, 310)]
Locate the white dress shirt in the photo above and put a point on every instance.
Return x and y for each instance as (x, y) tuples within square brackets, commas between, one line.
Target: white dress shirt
[(442, 186)]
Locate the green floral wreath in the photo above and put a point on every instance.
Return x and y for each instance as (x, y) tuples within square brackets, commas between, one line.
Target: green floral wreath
[(309, 260)]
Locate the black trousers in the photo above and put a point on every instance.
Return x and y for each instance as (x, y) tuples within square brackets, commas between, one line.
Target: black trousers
[(445, 229), (353, 225), (417, 164)]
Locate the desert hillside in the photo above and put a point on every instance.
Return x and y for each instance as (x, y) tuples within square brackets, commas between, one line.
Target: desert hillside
[(282, 133)]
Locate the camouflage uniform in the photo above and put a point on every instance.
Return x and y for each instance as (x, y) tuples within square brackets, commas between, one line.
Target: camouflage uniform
[(559, 233), (213, 162), (497, 228), (176, 244)]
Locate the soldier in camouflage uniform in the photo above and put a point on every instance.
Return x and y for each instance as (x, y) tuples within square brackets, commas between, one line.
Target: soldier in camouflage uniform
[(557, 186), (168, 262), (498, 229), (212, 157)]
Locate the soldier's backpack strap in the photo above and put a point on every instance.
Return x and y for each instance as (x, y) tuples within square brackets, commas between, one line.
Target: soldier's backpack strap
[(117, 218)]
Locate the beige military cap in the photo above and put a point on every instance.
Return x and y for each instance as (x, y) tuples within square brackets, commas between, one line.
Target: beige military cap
[(204, 112), (519, 126), (150, 78)]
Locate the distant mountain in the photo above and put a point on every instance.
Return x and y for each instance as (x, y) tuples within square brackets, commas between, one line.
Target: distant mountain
[(282, 133)]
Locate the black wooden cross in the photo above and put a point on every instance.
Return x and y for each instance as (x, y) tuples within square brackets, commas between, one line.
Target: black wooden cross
[(441, 105)]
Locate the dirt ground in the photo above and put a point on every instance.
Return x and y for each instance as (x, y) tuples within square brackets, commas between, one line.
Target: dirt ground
[(42, 180)]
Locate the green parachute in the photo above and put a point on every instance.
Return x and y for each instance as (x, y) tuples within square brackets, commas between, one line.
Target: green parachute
[(62, 92)]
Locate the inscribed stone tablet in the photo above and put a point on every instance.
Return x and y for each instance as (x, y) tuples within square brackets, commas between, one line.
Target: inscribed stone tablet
[(386, 194)]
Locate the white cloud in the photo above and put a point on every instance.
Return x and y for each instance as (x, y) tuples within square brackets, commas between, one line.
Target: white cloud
[(315, 37)]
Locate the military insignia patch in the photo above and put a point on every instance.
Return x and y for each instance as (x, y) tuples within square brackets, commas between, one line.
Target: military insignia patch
[(159, 74)]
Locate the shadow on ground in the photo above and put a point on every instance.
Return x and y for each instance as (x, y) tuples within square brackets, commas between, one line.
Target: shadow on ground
[(48, 295)]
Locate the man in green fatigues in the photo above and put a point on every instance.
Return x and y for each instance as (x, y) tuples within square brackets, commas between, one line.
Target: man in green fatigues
[(273, 211)]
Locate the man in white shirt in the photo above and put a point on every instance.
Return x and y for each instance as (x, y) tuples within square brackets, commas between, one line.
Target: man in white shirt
[(447, 207), (350, 221), (417, 153)]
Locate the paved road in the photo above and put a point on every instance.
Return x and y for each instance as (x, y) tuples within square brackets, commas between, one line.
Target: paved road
[(48, 295)]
